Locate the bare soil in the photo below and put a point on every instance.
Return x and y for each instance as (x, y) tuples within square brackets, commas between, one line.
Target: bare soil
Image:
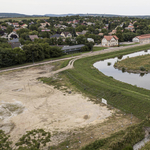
[(26, 104)]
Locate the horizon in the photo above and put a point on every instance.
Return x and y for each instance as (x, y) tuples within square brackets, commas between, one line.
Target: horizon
[(77, 14), (34, 7)]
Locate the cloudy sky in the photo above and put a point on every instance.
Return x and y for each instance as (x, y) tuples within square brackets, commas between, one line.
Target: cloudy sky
[(41, 7)]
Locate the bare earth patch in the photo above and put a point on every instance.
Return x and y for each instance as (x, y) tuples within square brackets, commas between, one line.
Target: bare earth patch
[(26, 104)]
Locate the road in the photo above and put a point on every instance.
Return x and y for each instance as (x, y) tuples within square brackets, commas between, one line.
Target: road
[(70, 65)]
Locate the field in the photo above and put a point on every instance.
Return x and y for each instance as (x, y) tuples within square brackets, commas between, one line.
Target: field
[(135, 64), (69, 104), (23, 18)]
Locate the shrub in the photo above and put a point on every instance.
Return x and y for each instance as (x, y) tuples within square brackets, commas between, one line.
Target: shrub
[(109, 63), (142, 68)]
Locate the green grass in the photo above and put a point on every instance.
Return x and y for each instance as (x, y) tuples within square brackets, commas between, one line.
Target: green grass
[(130, 99), (135, 63), (99, 48), (93, 83), (23, 18), (121, 139)]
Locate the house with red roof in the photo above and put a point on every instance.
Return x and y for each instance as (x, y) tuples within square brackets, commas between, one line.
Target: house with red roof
[(109, 41), (145, 38)]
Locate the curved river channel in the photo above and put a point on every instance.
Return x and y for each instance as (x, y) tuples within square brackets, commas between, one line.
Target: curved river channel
[(140, 80)]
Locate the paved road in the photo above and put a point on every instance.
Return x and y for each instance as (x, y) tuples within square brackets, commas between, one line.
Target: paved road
[(75, 57)]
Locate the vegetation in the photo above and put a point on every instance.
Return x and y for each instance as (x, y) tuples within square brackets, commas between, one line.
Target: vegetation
[(122, 140), (32, 140), (5, 143), (139, 63), (22, 18), (93, 83)]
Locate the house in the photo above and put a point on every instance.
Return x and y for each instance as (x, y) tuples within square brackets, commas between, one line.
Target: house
[(14, 43), (24, 26), (32, 37), (66, 34), (90, 40), (15, 25), (113, 32), (71, 49), (16, 29), (79, 33), (46, 30), (57, 36), (44, 24), (145, 38), (101, 34), (109, 41), (3, 27)]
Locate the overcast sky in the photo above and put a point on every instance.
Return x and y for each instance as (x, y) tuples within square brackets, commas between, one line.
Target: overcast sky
[(41, 7)]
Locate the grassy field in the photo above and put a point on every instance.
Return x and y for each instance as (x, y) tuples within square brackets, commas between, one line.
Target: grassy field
[(99, 48), (130, 99), (93, 83), (23, 18), (135, 63)]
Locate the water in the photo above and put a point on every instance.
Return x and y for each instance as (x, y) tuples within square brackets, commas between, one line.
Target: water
[(139, 80)]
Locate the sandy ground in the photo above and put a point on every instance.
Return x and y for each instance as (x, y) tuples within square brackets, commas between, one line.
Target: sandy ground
[(26, 104)]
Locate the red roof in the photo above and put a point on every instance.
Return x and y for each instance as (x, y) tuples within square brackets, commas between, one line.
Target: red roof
[(144, 36), (108, 38)]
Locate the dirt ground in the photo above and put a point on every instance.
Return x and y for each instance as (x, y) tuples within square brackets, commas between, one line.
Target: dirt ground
[(26, 104)]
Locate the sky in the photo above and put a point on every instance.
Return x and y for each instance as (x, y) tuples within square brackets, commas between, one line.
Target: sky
[(41, 7)]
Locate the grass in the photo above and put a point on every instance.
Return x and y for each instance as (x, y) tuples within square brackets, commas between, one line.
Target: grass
[(99, 48), (135, 63), (130, 99), (94, 84), (146, 147), (23, 18)]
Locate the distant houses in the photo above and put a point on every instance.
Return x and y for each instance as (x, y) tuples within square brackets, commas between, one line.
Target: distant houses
[(14, 43), (57, 36), (33, 37), (145, 38), (109, 41)]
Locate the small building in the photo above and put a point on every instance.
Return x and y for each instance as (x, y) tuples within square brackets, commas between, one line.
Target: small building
[(32, 37), (24, 26), (14, 43), (90, 40), (145, 38), (66, 34), (109, 41), (72, 49), (101, 34), (57, 36)]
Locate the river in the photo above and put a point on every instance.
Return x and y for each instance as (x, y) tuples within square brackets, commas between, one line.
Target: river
[(138, 80)]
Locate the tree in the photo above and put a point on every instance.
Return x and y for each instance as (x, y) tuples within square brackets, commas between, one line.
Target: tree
[(81, 39), (9, 29)]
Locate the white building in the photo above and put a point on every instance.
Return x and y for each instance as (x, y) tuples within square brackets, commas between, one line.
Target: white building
[(90, 40), (109, 41), (142, 39)]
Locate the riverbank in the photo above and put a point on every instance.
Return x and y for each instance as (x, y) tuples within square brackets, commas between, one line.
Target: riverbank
[(139, 64)]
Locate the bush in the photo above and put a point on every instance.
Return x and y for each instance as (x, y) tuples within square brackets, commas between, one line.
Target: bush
[(109, 63), (142, 68)]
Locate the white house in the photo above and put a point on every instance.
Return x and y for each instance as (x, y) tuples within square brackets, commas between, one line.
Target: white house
[(66, 34), (108, 41), (145, 38)]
